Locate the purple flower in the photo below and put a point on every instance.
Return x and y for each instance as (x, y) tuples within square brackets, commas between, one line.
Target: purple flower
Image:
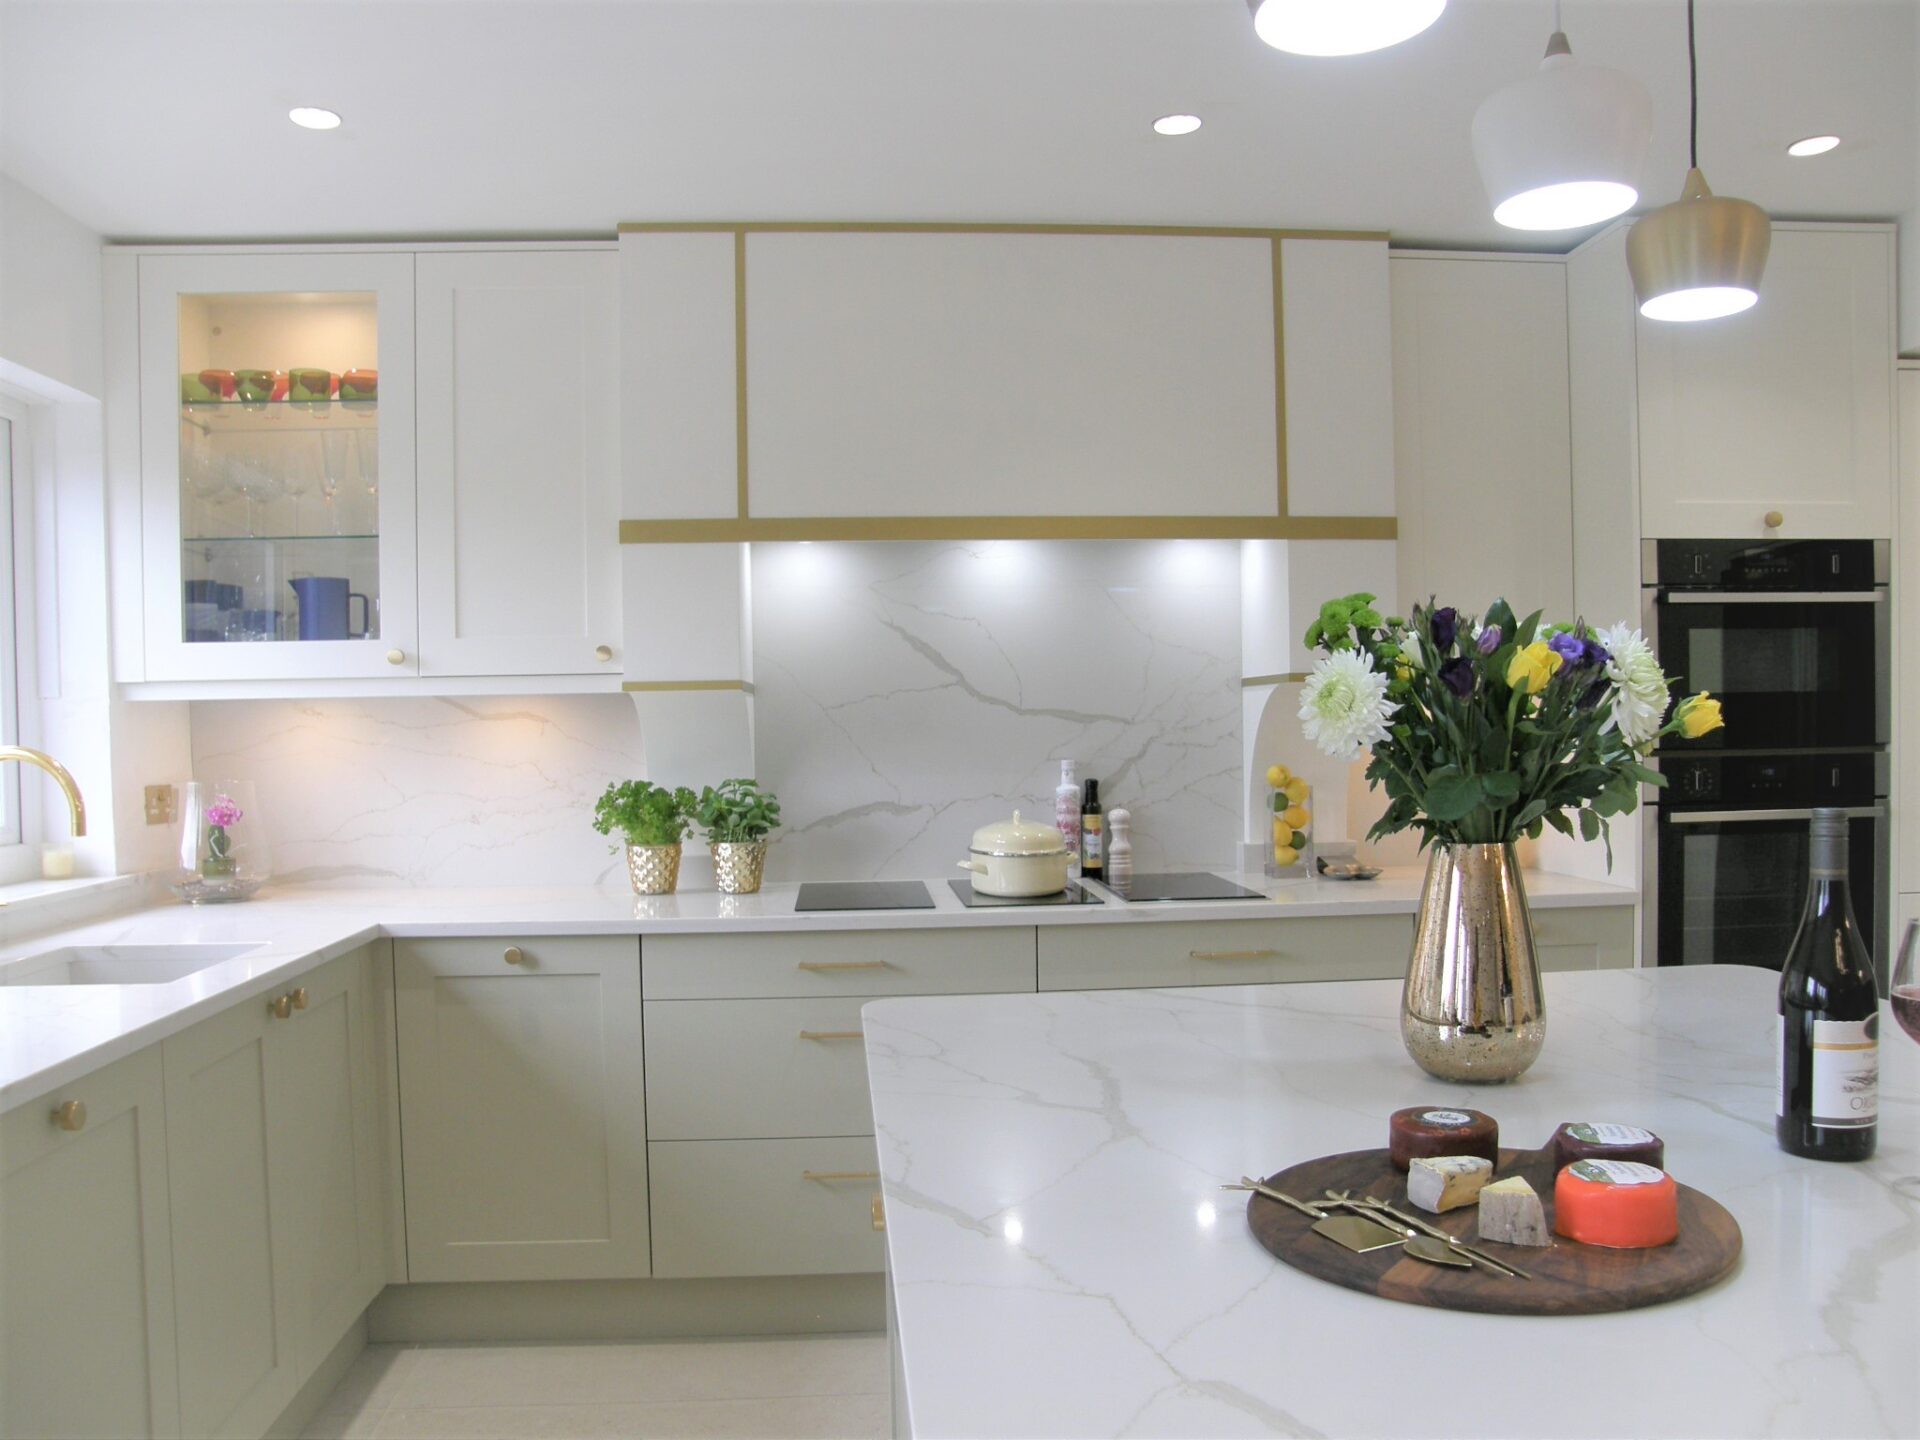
[(1489, 640), (1445, 624), (1594, 693), (223, 812), (1457, 675), (1595, 655), (1569, 647)]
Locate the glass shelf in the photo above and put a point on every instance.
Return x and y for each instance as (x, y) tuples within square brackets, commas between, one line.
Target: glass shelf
[(282, 417), (269, 539)]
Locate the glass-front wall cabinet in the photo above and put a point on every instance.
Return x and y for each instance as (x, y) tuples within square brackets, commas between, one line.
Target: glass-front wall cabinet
[(277, 476)]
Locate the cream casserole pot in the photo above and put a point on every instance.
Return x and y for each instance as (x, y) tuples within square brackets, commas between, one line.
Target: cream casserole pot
[(1018, 859)]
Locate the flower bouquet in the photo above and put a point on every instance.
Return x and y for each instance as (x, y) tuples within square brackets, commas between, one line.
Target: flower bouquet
[(1481, 731)]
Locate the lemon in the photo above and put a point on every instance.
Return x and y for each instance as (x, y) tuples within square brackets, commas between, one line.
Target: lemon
[(1285, 855), (1278, 775), (1297, 816), (1296, 790), (1282, 833)]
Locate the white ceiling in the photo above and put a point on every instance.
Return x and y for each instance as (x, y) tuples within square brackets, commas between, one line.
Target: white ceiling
[(160, 119)]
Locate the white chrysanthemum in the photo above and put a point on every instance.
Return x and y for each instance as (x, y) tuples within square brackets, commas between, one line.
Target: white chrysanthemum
[(1344, 706), (1640, 686)]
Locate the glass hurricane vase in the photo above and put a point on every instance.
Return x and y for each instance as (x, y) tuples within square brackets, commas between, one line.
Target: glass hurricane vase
[(223, 854)]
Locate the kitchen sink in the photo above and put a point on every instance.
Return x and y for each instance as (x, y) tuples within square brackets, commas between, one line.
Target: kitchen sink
[(119, 964)]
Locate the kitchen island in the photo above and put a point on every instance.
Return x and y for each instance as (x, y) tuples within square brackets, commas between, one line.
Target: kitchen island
[(1062, 1261)]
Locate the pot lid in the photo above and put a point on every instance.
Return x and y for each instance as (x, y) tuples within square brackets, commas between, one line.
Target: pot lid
[(1018, 837)]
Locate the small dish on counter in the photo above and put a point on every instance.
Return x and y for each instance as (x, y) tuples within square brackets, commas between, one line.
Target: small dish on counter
[(1347, 869)]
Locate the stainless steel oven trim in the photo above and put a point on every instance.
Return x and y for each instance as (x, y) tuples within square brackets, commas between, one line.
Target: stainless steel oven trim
[(1751, 817), (1876, 596), (1650, 563)]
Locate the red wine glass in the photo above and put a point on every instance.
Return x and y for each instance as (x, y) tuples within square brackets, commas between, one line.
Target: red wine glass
[(1906, 982)]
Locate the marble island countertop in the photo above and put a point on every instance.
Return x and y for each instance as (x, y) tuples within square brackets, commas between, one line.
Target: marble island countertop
[(49, 1035), (1062, 1261)]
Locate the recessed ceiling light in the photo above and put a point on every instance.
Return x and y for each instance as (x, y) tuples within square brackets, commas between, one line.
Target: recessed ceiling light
[(1813, 145), (312, 117), (1176, 125), (1341, 27)]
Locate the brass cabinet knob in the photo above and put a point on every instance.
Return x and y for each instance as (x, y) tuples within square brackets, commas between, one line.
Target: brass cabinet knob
[(70, 1114), (514, 955), (299, 998), (603, 653), (280, 1007), (1773, 519), (396, 657)]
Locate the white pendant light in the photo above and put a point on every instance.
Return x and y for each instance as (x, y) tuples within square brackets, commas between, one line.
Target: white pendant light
[(1702, 256), (1341, 27), (1564, 147)]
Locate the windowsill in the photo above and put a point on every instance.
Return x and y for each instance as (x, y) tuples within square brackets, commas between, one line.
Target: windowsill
[(30, 894)]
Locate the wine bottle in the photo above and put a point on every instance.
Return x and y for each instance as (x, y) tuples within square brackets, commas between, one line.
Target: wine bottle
[(1829, 1077), (1093, 863)]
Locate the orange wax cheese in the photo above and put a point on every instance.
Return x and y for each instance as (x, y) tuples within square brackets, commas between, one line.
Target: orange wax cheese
[(1621, 1204)]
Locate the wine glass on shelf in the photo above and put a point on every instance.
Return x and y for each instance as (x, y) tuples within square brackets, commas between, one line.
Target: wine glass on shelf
[(333, 449), (299, 472), (1906, 982)]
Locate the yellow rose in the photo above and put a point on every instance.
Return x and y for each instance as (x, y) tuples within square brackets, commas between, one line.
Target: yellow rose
[(1533, 667), (1698, 715)]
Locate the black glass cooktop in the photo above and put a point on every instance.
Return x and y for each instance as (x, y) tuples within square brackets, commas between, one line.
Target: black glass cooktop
[(864, 895), (1186, 885), (973, 899)]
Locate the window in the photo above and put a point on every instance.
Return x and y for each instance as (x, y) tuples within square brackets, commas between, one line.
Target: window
[(19, 855)]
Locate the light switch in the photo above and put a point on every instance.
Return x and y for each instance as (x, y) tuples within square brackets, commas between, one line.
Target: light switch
[(161, 804)]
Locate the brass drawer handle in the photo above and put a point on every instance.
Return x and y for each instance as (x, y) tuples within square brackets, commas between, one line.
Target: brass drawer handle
[(514, 955), (823, 1177), (70, 1114), (1234, 954), (833, 1034), (820, 966), (299, 997), (280, 1007), (879, 1212), (603, 653)]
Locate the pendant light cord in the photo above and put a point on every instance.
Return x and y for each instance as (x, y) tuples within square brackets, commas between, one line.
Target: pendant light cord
[(1693, 96)]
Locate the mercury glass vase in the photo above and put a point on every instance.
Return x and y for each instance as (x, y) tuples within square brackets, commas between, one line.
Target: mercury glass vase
[(738, 867), (1472, 1009), (653, 869)]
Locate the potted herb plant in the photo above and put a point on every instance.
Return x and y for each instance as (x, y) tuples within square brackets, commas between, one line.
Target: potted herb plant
[(652, 821), (1482, 731), (737, 816)]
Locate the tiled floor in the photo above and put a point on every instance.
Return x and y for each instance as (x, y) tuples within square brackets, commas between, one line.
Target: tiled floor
[(824, 1386)]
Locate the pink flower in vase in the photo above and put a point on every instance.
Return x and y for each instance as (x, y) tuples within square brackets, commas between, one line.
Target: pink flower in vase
[(223, 812), (219, 862)]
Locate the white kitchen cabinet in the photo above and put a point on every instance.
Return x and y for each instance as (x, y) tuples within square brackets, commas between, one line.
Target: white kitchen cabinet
[(519, 462), (86, 1269), (276, 446), (766, 1207), (977, 959), (1786, 408), (1482, 435), (1599, 937), (523, 1123), (1224, 952)]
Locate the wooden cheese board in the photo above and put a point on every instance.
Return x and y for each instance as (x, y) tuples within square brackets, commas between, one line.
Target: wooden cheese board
[(1568, 1278)]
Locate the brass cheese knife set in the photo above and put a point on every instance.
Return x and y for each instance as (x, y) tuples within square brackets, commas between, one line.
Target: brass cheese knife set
[(1362, 1223)]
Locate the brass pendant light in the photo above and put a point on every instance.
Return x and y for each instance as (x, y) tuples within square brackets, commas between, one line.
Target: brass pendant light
[(1702, 256)]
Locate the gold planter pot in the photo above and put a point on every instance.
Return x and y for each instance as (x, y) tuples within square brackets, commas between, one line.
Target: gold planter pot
[(1472, 1009), (738, 868), (654, 869)]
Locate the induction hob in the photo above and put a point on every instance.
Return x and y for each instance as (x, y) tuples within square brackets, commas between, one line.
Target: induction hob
[(864, 895), (1183, 885), (975, 900)]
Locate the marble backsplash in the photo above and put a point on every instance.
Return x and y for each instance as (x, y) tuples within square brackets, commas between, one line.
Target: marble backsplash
[(427, 791), (909, 693)]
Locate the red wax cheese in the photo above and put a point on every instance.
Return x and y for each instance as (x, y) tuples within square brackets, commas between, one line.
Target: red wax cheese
[(1426, 1131), (1617, 1203), (1592, 1140)]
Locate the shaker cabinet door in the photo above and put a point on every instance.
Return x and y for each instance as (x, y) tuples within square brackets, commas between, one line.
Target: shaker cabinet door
[(519, 463)]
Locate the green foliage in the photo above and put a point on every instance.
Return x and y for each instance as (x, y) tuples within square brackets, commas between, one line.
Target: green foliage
[(644, 813), (1339, 619), (737, 812)]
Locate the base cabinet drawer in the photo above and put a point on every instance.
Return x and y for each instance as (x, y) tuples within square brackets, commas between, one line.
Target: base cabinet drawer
[(765, 1207), (976, 960), (1597, 938), (1224, 952), (755, 1069)]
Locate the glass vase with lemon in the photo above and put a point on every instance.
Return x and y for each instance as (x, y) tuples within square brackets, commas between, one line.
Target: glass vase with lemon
[(1291, 857)]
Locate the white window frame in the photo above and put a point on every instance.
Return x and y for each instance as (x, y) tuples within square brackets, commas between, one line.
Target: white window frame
[(20, 829)]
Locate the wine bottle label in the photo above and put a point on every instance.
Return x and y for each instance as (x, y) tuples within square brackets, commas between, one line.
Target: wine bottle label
[(1846, 1073)]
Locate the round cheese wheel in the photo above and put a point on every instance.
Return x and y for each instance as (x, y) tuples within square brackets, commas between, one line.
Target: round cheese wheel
[(1620, 1204), (1424, 1131), (1594, 1140)]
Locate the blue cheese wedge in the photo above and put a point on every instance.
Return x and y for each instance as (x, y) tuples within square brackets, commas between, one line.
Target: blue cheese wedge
[(1446, 1182), (1511, 1214)]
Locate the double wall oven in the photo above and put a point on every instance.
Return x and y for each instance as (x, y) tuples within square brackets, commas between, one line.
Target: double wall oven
[(1792, 636)]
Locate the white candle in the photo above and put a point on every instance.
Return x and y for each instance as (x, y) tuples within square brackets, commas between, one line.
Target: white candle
[(56, 862)]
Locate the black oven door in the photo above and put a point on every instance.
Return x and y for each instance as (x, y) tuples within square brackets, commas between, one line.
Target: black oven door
[(1732, 883), (1794, 672)]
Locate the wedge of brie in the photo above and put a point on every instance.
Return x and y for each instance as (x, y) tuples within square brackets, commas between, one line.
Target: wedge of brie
[(1511, 1213), (1447, 1182)]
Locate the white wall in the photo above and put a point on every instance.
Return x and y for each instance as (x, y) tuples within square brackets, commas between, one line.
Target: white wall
[(50, 320)]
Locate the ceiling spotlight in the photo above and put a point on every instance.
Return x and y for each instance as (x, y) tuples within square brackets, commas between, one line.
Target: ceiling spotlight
[(1702, 256), (1563, 147), (312, 117), (1813, 145), (1176, 125), (1341, 27)]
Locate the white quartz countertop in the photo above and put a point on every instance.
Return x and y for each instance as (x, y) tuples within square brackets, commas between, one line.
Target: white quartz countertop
[(50, 1035), (1063, 1263)]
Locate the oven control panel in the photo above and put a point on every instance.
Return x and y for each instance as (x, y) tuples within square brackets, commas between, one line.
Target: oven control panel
[(1785, 565), (1767, 782)]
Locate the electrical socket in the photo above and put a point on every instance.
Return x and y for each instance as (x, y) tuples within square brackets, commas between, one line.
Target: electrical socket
[(161, 804)]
